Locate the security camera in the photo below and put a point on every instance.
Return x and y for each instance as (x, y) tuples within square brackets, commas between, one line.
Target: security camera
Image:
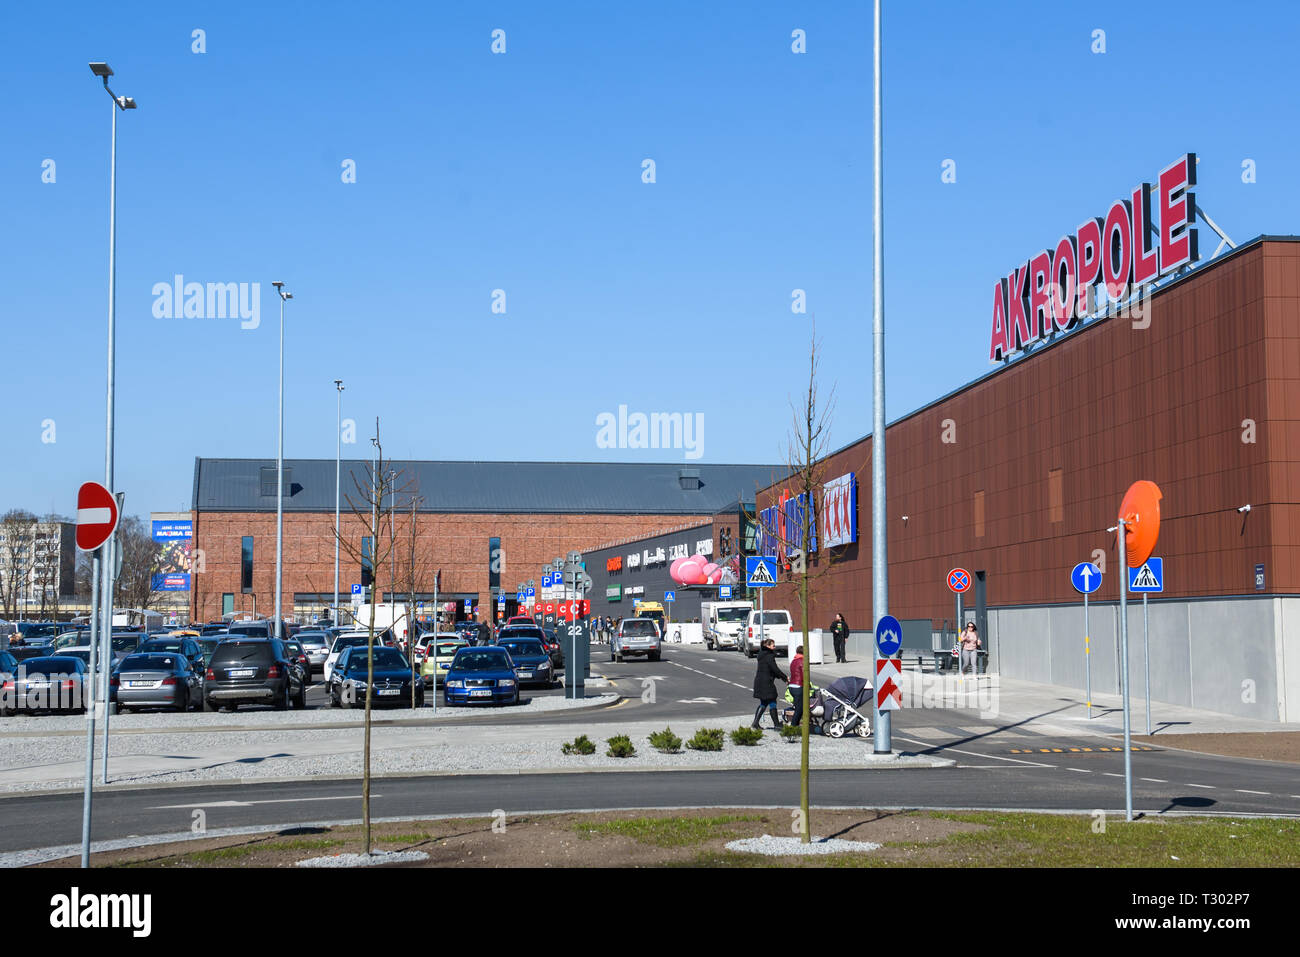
[(905, 518), (1244, 509)]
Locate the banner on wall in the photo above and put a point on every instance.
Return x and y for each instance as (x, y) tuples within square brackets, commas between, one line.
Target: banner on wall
[(175, 540)]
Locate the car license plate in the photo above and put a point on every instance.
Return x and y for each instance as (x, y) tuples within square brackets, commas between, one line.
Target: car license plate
[(242, 673), (389, 691), (485, 693), (525, 674), (142, 684)]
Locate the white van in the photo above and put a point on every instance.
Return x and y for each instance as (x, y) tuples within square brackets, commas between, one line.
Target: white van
[(387, 616), (772, 623), (723, 622)]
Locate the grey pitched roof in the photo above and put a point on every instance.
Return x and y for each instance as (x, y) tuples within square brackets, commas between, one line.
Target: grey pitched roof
[(620, 488)]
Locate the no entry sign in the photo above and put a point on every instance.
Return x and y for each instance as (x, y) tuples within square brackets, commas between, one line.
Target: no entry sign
[(96, 516)]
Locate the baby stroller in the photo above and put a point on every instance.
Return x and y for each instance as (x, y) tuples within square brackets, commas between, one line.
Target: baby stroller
[(839, 708)]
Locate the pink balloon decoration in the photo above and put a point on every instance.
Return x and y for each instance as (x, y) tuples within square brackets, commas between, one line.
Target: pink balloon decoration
[(673, 569)]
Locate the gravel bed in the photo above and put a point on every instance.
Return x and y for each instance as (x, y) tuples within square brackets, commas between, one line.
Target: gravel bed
[(267, 718), (373, 859), (242, 755), (783, 846)]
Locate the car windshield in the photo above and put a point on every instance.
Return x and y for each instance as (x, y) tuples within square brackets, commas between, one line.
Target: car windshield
[(481, 661), (351, 641), (384, 658), (771, 618), (51, 666), (447, 648), (82, 653), (234, 650), (732, 614), (516, 633), (523, 647), (160, 644), (126, 642), (639, 629), (208, 644), (312, 637), (149, 663)]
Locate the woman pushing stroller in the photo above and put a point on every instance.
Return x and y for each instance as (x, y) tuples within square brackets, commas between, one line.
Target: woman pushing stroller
[(765, 683)]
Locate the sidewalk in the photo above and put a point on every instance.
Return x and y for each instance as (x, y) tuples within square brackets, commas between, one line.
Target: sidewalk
[(1053, 709)]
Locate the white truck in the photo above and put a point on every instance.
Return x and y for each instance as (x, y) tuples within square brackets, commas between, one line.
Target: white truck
[(772, 623), (387, 616), (723, 622)]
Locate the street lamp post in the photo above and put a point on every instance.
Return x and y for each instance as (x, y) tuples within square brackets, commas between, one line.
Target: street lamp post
[(103, 563), (338, 458), (279, 473)]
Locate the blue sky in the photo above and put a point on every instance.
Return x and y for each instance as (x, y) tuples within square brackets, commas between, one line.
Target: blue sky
[(523, 172)]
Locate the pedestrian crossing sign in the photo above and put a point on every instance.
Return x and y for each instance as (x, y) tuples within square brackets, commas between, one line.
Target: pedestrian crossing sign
[(760, 571), (1148, 577)]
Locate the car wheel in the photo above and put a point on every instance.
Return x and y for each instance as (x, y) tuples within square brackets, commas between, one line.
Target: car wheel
[(300, 702), (185, 703), (654, 656), (199, 704), (282, 704)]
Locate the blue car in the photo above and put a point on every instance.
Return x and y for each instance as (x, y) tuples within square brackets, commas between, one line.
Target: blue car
[(532, 660), (481, 674)]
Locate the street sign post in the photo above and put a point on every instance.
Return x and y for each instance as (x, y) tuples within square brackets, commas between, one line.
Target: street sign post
[(1147, 579), (760, 573), (724, 592), (1086, 579), (889, 670), (889, 636), (958, 582)]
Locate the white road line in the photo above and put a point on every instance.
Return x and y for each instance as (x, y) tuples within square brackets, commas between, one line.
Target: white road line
[(339, 797), (1154, 780), (1080, 770), (976, 754), (1112, 774), (1244, 791), (1208, 787)]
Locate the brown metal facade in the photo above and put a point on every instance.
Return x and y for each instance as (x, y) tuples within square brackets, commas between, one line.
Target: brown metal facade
[(1019, 474)]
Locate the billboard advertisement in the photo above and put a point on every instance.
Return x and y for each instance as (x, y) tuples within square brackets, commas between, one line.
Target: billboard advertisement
[(840, 511), (175, 539)]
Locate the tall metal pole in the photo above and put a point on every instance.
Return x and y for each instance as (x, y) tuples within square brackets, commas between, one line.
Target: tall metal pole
[(879, 550), (1123, 643), (279, 480), (1146, 657), (1087, 653), (87, 793), (338, 461)]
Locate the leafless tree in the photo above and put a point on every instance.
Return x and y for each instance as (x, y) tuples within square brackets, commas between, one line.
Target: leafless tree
[(373, 505), (134, 586), (17, 529)]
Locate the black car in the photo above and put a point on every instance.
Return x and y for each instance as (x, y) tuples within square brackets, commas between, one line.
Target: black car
[(253, 629), (532, 660), (298, 657), (56, 683), (188, 648), (392, 679), (253, 671), (545, 635)]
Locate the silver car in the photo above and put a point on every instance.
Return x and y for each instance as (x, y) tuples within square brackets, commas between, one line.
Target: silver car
[(160, 679), (637, 636), (317, 646), (45, 684)]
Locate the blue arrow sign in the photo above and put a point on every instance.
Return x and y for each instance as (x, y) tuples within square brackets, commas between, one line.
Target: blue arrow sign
[(760, 571), (889, 636), (1149, 577), (1085, 577)]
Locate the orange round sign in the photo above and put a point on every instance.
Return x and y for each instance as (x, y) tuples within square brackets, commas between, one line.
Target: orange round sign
[(1140, 512)]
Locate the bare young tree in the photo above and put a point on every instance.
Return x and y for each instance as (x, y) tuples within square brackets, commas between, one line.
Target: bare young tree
[(17, 529), (134, 586), (373, 505)]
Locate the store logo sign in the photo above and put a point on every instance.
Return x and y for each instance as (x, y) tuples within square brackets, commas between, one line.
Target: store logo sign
[(840, 511), (1052, 290)]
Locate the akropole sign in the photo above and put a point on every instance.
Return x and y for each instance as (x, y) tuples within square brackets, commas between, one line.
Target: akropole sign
[(1054, 290)]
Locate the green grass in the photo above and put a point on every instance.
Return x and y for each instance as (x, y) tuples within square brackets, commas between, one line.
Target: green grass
[(1054, 840), (666, 831), (403, 839)]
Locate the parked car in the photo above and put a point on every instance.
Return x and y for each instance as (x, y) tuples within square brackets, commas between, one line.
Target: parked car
[(520, 620), (252, 671), (317, 645), (636, 636), (209, 644), (547, 637), (214, 628), (532, 660), (772, 623), (485, 675), (392, 678), (437, 664), (347, 640), (36, 633), (553, 644), (260, 628), (8, 665), (156, 679), (189, 648), (299, 659), (53, 683)]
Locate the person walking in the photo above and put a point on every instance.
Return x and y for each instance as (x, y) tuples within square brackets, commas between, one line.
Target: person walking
[(795, 685), (840, 634), (970, 645), (765, 682)]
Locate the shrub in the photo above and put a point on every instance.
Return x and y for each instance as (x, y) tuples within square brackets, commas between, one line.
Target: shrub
[(666, 741), (706, 739), (791, 732), (580, 745), (746, 737), (620, 746)]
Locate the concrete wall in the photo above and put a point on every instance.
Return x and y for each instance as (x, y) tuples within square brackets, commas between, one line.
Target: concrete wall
[(1238, 656)]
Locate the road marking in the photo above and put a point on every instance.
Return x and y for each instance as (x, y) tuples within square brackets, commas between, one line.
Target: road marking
[(1244, 791), (1080, 770), (707, 675), (1208, 787), (339, 797), (1154, 780), (976, 754)]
